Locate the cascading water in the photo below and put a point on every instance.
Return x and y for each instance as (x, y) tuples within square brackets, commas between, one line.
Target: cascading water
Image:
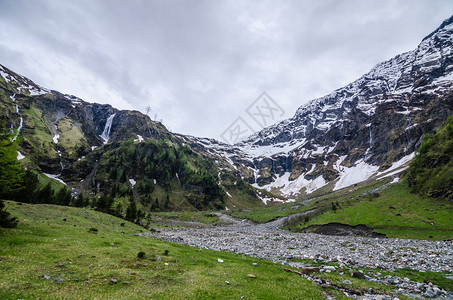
[(370, 141), (255, 172), (409, 124), (273, 166), (21, 123), (108, 126)]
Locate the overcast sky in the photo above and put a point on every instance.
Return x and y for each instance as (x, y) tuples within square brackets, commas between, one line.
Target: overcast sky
[(200, 64)]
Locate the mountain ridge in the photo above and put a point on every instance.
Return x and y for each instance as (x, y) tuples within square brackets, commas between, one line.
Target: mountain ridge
[(397, 101), (363, 130)]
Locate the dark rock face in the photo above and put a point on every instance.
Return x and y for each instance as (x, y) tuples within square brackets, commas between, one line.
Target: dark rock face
[(344, 230)]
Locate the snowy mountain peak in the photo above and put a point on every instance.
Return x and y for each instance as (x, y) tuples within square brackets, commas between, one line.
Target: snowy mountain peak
[(357, 131)]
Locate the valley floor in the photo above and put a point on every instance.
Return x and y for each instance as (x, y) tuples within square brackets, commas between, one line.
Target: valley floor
[(297, 249), (59, 252)]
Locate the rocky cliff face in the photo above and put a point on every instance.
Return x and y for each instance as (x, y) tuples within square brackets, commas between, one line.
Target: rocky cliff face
[(355, 132)]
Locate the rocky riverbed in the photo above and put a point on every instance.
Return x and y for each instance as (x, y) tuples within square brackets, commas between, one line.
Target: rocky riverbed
[(269, 242)]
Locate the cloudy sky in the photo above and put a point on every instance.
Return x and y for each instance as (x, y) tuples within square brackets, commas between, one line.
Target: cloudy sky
[(200, 64)]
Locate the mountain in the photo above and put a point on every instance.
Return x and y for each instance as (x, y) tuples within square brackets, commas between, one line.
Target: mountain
[(368, 128), (98, 149)]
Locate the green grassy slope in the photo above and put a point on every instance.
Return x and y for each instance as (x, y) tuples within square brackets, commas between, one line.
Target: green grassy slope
[(52, 254), (320, 203), (395, 212)]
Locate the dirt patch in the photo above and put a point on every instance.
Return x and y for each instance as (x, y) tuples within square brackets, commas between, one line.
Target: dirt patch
[(344, 230)]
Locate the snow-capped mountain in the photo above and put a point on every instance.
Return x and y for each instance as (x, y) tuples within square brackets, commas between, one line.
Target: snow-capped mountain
[(366, 129)]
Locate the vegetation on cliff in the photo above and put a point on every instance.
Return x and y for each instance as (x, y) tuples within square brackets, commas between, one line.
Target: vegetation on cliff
[(431, 171)]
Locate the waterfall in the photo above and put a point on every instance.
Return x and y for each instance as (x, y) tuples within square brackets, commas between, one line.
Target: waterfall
[(108, 126), (21, 123), (370, 141), (409, 124), (273, 166), (255, 172)]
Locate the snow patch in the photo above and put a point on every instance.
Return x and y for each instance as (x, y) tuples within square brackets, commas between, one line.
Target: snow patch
[(139, 139), (55, 138), (398, 164), (20, 156), (358, 173), (257, 151), (292, 188), (395, 180), (55, 177), (38, 91)]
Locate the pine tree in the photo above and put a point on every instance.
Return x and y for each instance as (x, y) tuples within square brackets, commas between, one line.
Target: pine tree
[(79, 201), (131, 211), (30, 183), (63, 197), (45, 195)]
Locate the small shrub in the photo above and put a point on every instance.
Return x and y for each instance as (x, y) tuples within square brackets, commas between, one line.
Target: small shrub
[(6, 220)]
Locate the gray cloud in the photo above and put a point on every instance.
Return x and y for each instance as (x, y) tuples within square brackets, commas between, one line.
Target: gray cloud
[(199, 64)]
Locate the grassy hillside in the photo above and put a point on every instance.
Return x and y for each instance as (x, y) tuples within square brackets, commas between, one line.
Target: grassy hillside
[(318, 204), (394, 211), (55, 252)]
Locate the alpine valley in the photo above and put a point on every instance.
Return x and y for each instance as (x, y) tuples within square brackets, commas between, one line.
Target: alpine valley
[(351, 198), (369, 129)]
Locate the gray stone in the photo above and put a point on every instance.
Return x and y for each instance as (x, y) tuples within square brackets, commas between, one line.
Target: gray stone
[(429, 293)]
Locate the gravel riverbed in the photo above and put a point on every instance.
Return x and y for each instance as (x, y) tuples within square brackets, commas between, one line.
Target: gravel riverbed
[(269, 242)]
